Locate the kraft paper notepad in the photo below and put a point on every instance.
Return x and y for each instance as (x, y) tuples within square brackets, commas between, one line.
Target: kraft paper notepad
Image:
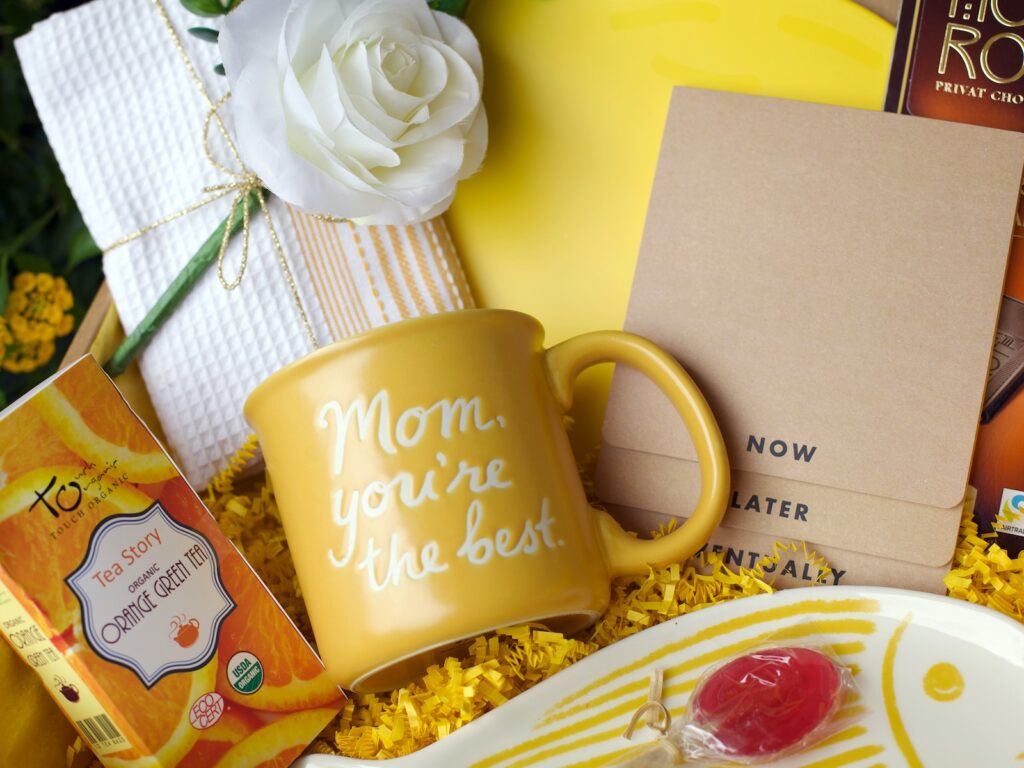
[(831, 278)]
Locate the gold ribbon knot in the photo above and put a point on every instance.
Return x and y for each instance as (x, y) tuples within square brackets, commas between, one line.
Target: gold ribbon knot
[(243, 185)]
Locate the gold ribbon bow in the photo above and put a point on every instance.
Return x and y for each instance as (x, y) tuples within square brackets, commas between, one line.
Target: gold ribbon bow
[(242, 183)]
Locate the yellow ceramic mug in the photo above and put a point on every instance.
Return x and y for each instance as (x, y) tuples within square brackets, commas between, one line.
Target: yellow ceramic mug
[(429, 492)]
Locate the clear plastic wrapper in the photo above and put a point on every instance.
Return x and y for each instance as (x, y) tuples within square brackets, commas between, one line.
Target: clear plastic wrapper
[(760, 706)]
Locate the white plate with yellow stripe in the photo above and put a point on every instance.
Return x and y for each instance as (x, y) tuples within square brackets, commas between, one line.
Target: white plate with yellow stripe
[(940, 683)]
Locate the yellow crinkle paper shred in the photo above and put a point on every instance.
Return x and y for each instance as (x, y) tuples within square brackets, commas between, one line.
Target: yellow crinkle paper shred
[(496, 667), (984, 573), (501, 665)]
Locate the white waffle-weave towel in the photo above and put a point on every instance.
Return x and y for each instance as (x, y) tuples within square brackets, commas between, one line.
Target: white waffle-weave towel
[(125, 120)]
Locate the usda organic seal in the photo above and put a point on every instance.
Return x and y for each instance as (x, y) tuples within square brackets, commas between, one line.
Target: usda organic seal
[(245, 673)]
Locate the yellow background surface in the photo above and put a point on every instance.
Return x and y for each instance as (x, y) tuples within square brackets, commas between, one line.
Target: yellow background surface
[(577, 92)]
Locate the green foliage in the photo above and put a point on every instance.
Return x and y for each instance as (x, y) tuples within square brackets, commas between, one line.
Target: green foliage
[(41, 229), (214, 8), (454, 7), (209, 8), (205, 33)]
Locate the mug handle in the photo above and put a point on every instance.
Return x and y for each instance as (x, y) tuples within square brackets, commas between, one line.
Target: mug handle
[(627, 554)]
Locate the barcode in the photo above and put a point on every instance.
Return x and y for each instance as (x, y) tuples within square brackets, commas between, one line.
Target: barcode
[(99, 730)]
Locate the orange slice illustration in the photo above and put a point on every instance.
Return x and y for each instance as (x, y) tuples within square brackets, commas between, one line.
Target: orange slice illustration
[(26, 427), (159, 716), (278, 744), (35, 568), (234, 725), (293, 679), (79, 410)]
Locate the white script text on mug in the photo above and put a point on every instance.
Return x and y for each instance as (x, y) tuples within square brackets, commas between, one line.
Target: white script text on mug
[(374, 420)]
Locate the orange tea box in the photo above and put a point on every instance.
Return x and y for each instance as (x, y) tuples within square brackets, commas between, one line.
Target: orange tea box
[(145, 624)]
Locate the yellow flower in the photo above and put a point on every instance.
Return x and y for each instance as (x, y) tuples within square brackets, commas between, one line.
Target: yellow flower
[(24, 282), (23, 357), (19, 326), (38, 313), (17, 303), (64, 297)]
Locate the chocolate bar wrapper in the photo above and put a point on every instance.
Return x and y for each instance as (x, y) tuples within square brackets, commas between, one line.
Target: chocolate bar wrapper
[(963, 60)]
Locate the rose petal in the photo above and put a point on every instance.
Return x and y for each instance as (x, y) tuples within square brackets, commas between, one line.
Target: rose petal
[(368, 25), (372, 118), (426, 19), (296, 105), (350, 142), (250, 31), (460, 38), (389, 88), (357, 96), (307, 29), (427, 169), (320, 85), (370, 17), (437, 208), (361, 108), (263, 143), (433, 74), (331, 153), (456, 102), (399, 65), (394, 213), (476, 145)]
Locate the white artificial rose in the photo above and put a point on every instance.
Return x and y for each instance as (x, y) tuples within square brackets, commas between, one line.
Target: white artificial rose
[(364, 109)]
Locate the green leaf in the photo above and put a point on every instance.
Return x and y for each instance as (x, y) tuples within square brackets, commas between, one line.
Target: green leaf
[(3, 399), (176, 292), (84, 282), (29, 262), (219, 69), (5, 284), (37, 212), (27, 235), (205, 33), (455, 8), (83, 248), (208, 8)]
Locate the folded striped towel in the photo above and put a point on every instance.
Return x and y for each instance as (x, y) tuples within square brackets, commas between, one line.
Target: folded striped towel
[(126, 123)]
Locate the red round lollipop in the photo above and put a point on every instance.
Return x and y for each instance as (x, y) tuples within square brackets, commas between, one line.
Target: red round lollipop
[(766, 703)]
